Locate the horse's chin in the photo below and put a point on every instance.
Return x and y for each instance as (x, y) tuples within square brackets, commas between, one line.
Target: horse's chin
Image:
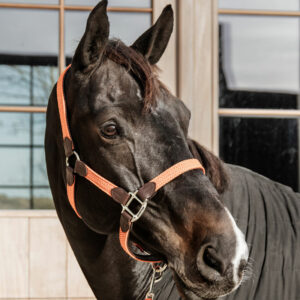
[(204, 290)]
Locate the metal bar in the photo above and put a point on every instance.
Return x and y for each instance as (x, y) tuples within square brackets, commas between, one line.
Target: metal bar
[(61, 53), (110, 9), (32, 109), (259, 113), (266, 13)]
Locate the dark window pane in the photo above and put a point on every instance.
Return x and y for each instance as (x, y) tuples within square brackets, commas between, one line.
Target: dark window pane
[(260, 4), (259, 62), (42, 199), (14, 129), (44, 78), (39, 125), (126, 26), (126, 3), (267, 146), (14, 85), (14, 198), (39, 168), (15, 166)]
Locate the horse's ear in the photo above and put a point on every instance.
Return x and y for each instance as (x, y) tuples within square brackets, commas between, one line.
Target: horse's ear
[(214, 167), (94, 40), (154, 41)]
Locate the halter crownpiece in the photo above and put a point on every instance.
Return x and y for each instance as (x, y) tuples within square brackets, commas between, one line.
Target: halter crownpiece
[(118, 194)]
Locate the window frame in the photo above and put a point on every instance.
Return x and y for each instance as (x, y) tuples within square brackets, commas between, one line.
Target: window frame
[(258, 113), (61, 8)]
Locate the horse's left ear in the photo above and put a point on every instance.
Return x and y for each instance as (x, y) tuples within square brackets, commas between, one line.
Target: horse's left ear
[(154, 41)]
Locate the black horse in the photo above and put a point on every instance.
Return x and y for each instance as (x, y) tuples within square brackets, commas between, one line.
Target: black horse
[(129, 128)]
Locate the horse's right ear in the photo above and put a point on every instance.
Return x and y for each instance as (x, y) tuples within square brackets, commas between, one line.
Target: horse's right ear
[(94, 40)]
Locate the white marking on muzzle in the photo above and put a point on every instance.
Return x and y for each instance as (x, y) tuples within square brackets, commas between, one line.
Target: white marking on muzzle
[(241, 250)]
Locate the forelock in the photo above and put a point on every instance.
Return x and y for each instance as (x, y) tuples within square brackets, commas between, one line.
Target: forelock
[(139, 68)]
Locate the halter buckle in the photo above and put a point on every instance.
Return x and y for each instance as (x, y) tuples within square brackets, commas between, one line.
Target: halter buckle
[(143, 205)]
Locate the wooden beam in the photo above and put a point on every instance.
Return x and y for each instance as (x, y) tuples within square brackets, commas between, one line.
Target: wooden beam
[(29, 6), (215, 77), (111, 9), (198, 86), (73, 7), (265, 13), (259, 113), (22, 109), (61, 56)]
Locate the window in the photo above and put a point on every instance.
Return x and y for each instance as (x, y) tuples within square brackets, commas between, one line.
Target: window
[(259, 87), (33, 52)]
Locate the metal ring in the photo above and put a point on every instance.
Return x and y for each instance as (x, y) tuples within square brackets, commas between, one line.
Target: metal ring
[(73, 153)]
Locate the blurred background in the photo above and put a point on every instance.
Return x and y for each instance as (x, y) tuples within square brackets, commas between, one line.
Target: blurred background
[(29, 67), (234, 63)]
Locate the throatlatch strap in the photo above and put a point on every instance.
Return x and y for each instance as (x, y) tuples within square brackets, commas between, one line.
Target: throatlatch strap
[(118, 194)]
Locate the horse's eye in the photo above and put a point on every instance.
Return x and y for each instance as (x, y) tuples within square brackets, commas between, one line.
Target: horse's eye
[(109, 131)]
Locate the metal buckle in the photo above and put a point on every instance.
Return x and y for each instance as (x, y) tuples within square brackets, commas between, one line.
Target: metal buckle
[(68, 157), (143, 204)]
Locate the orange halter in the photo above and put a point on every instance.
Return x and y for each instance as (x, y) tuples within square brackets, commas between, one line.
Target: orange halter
[(141, 196)]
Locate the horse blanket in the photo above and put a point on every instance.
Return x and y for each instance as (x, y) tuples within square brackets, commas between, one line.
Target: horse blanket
[(269, 215)]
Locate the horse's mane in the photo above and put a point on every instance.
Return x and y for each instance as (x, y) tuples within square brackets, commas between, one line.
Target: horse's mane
[(214, 166), (138, 66)]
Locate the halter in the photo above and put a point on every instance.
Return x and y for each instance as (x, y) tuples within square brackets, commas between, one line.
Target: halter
[(118, 194)]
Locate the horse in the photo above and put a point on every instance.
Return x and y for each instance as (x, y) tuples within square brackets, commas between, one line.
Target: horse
[(129, 128)]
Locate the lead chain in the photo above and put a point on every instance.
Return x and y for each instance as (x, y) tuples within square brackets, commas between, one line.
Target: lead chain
[(157, 272), (150, 294)]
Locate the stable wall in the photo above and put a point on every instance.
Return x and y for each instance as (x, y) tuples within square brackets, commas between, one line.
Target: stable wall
[(36, 260)]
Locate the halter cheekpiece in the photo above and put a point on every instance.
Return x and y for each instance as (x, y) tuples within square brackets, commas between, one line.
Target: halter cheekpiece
[(118, 194)]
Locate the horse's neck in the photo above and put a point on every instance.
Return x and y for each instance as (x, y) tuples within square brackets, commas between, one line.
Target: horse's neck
[(141, 279)]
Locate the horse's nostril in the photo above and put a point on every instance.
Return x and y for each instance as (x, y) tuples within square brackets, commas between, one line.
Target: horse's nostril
[(211, 259)]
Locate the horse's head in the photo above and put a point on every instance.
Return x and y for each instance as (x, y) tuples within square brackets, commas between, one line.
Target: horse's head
[(129, 128)]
